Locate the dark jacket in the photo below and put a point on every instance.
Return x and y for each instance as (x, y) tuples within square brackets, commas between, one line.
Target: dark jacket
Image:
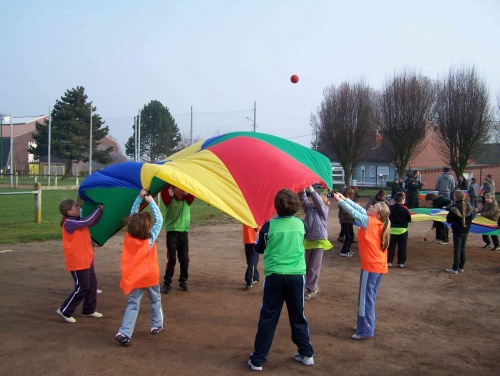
[(455, 217), (442, 202), (400, 216), (413, 187), (396, 187)]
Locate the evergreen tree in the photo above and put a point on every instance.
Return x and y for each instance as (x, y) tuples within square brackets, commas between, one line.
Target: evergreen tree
[(70, 131), (159, 134)]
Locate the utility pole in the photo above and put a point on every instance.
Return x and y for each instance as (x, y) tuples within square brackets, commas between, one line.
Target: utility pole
[(135, 139), (191, 132), (139, 136), (254, 115), (48, 149), (11, 152), (90, 142)]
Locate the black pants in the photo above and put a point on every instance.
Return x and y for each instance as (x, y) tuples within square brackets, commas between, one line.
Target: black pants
[(400, 240), (412, 202), (278, 289), (85, 289), (442, 231), (251, 274), (494, 238), (177, 247), (459, 242), (348, 231)]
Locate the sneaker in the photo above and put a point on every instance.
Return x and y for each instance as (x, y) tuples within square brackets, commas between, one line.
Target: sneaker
[(441, 242), (166, 289), (95, 314), (401, 266), (254, 282), (99, 291), (486, 245), (355, 240), (452, 271), (460, 270), (306, 360), (346, 254), (495, 249), (248, 286), (358, 336), (340, 239), (66, 318), (254, 368), (183, 286), (310, 294), (157, 330), (355, 327), (389, 265), (123, 339)]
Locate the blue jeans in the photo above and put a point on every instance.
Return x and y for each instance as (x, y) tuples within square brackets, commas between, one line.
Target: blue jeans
[(276, 290), (132, 310), (368, 289), (459, 241)]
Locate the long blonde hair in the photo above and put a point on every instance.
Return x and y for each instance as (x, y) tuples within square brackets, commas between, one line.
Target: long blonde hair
[(383, 212)]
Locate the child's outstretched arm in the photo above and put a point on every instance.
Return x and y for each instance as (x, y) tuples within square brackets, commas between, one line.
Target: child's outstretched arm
[(158, 218), (353, 209)]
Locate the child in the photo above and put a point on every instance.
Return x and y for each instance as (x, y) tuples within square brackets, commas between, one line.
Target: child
[(251, 274), (317, 237), (282, 241), (380, 196), (373, 238), (400, 217), (79, 256), (140, 270), (460, 216), (177, 220), (490, 211), (347, 226), (439, 202)]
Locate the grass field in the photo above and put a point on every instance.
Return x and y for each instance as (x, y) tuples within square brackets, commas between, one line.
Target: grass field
[(17, 214)]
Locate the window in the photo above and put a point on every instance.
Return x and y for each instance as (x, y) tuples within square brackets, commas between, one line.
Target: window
[(372, 171)]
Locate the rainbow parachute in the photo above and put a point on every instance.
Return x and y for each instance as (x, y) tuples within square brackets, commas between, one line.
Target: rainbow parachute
[(238, 173)]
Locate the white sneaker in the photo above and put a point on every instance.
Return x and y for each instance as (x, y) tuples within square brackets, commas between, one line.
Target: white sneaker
[(254, 368), (95, 314), (402, 266), (451, 271), (307, 361), (358, 336), (99, 291), (66, 318), (389, 265)]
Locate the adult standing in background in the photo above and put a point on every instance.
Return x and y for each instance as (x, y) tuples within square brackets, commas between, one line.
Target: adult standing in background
[(445, 183), (462, 183), (413, 186), (488, 187)]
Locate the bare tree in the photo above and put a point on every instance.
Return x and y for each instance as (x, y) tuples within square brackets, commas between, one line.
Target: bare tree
[(464, 116), (405, 105), (496, 125), (346, 123)]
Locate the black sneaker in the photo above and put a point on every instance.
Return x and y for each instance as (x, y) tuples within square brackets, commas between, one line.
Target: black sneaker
[(248, 286), (166, 289), (124, 340), (183, 286)]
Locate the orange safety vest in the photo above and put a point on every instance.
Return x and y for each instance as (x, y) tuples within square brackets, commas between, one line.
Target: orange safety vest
[(139, 264), (77, 248), (249, 234), (373, 259)]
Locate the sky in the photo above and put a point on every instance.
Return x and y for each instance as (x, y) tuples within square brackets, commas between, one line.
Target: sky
[(220, 57)]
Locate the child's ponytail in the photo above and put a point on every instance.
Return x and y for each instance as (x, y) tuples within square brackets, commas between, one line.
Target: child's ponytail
[(383, 211)]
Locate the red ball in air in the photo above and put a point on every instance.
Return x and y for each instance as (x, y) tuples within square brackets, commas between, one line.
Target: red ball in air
[(294, 79)]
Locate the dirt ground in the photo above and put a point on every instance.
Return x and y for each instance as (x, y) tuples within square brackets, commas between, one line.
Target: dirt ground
[(428, 322)]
